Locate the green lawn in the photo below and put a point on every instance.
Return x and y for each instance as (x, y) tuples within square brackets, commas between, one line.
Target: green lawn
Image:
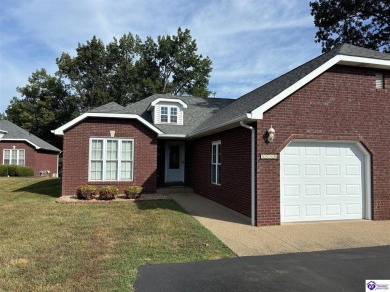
[(46, 246)]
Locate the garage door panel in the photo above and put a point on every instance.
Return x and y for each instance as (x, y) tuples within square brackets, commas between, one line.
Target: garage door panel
[(352, 170), (354, 209), (313, 151), (332, 190), (332, 151), (312, 169), (291, 170), (313, 210), (321, 181), (292, 190), (312, 190), (353, 190), (332, 170), (333, 210)]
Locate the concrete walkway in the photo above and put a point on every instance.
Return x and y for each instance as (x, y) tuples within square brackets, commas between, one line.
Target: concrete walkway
[(235, 231)]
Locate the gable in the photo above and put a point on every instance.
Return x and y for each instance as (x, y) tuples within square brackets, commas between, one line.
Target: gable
[(251, 106)]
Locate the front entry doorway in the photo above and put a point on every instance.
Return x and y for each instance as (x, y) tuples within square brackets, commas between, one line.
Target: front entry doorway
[(174, 162)]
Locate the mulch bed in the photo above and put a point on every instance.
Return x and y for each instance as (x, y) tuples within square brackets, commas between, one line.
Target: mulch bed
[(120, 198)]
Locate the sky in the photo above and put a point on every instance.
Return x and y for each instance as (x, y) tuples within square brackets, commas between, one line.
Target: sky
[(250, 42)]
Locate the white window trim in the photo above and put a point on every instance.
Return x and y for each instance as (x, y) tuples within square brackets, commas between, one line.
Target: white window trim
[(169, 107), (217, 162), (17, 156), (104, 159)]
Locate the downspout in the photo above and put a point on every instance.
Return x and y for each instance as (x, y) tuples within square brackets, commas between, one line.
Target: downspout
[(253, 171)]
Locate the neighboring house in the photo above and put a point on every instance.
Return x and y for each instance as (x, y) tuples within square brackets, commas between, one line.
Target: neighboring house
[(329, 158), (19, 147)]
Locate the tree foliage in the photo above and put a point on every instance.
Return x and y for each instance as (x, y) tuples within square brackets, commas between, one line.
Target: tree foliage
[(363, 23), (46, 105), (125, 70)]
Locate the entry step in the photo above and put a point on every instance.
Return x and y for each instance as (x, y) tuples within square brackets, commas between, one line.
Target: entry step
[(175, 190)]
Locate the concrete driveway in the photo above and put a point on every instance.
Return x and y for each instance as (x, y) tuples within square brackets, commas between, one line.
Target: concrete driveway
[(235, 231)]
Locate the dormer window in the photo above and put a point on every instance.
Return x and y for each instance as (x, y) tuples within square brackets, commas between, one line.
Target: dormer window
[(167, 111), (164, 114), (168, 114), (173, 115)]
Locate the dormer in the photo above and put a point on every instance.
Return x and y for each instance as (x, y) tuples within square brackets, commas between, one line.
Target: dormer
[(167, 111), (2, 133)]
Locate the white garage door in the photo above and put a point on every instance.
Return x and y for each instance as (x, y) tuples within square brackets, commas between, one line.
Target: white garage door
[(321, 181)]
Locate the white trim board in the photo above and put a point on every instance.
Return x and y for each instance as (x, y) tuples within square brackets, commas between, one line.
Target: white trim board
[(339, 59), (60, 131)]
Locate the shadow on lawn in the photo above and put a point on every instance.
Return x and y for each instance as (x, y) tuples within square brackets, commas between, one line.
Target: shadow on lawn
[(47, 187), (160, 204)]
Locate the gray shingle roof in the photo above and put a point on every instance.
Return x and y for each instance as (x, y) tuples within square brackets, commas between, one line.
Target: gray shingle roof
[(111, 107), (203, 115), (15, 132), (261, 95), (198, 110)]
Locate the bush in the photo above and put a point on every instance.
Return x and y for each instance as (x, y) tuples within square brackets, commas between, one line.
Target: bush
[(108, 193), (3, 170), (86, 192), (12, 170), (133, 192), (15, 170), (24, 171)]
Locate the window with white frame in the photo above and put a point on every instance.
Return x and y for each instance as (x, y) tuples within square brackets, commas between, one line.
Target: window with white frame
[(14, 156), (168, 114), (111, 159), (216, 162)]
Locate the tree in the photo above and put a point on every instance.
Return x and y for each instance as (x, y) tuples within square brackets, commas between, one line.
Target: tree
[(363, 23), (3, 116), (126, 70), (46, 105), (180, 69)]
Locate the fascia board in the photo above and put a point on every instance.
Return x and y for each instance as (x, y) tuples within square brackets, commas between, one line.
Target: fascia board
[(23, 140), (153, 104), (60, 131), (258, 112)]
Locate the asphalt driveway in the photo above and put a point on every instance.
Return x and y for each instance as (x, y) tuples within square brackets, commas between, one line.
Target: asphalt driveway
[(339, 270), (235, 231)]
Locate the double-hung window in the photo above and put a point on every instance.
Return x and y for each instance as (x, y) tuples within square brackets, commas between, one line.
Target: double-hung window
[(14, 156), (216, 163), (111, 159), (168, 114)]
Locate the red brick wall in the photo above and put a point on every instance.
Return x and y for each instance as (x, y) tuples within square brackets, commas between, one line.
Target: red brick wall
[(235, 189), (36, 159), (341, 104), (76, 152)]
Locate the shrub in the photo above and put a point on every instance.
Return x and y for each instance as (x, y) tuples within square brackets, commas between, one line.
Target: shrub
[(133, 192), (12, 170), (24, 171), (3, 170), (108, 193), (86, 192)]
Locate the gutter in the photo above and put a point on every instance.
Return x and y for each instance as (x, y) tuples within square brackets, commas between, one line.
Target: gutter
[(253, 171)]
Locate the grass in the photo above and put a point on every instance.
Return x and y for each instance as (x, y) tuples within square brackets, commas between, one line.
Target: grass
[(45, 246)]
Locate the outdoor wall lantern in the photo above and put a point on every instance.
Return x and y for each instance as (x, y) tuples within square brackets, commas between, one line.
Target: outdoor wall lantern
[(271, 134), (112, 133)]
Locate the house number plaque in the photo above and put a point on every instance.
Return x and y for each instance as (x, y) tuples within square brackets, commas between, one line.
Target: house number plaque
[(268, 156)]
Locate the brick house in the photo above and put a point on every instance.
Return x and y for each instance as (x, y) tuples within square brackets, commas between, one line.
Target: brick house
[(313, 144), (19, 147)]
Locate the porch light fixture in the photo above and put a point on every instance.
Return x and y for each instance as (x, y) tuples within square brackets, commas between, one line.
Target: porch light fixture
[(271, 134), (112, 133)]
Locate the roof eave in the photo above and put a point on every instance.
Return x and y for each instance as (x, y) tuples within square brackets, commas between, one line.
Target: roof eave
[(221, 127), (338, 59), (60, 131), (23, 140)]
